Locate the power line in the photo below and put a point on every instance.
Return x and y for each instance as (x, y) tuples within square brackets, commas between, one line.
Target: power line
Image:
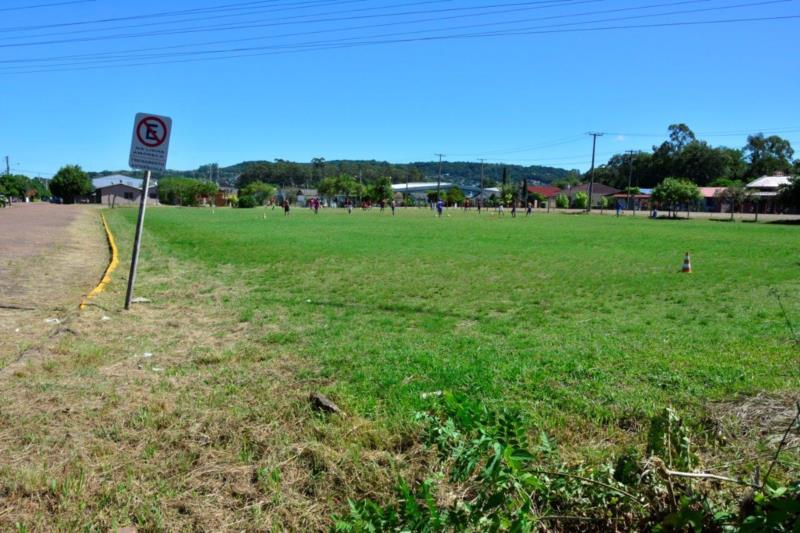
[(254, 11), (38, 6), (145, 16), (292, 20), (323, 46), (137, 53)]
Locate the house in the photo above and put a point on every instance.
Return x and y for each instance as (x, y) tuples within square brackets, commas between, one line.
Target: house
[(710, 200), (638, 202), (223, 196), (545, 191), (765, 189), (122, 190), (599, 190)]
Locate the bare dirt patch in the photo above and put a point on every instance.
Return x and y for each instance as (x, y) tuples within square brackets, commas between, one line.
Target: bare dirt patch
[(52, 256)]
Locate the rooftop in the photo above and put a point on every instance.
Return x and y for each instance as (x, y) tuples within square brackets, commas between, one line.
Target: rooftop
[(768, 182), (119, 179)]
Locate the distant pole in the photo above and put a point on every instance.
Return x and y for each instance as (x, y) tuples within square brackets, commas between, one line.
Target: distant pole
[(137, 242), (630, 179), (480, 194), (8, 167), (439, 179), (594, 135), (405, 202)]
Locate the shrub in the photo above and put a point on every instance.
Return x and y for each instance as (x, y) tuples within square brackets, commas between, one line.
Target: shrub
[(247, 201), (562, 202), (581, 200)]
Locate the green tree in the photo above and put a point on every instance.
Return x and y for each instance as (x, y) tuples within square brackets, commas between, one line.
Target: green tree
[(768, 155), (735, 195), (581, 200), (507, 193), (184, 191), (15, 185), (680, 136), (673, 192), (380, 190), (454, 196), (70, 183), (562, 201), (260, 191), (328, 187), (789, 195)]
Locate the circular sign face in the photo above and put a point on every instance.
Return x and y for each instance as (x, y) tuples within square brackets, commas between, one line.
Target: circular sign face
[(151, 131)]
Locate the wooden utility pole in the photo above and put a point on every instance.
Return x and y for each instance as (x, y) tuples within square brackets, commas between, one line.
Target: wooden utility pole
[(630, 178), (439, 179), (594, 135)]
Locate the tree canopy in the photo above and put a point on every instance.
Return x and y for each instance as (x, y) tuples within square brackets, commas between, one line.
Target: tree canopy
[(674, 192), (70, 183), (685, 156), (258, 190), (184, 191), (19, 186)]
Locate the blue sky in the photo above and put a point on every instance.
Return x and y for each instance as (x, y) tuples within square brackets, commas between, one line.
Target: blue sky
[(527, 98)]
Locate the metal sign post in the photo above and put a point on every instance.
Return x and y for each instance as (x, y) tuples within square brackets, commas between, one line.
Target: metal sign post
[(137, 241), (149, 148)]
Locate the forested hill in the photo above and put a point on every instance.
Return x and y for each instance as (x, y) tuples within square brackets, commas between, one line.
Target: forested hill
[(284, 172)]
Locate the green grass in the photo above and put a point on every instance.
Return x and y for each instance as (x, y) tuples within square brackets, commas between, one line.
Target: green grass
[(582, 321)]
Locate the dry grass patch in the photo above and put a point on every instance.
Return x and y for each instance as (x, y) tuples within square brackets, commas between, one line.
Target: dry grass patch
[(180, 415)]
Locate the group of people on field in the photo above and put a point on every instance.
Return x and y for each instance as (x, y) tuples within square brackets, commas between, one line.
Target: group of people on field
[(314, 205)]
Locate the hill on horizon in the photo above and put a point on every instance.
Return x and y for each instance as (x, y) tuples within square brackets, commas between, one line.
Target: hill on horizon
[(309, 174)]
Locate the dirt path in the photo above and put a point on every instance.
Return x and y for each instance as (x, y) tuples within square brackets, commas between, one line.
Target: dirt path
[(50, 256)]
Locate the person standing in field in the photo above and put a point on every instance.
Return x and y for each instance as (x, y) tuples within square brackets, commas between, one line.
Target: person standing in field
[(513, 209), (394, 206), (501, 210), (440, 207), (349, 206), (480, 202), (286, 206), (529, 211), (619, 209)]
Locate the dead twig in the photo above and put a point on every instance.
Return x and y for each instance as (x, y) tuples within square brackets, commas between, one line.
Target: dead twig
[(590, 481), (782, 443), (16, 307), (789, 324), (714, 477)]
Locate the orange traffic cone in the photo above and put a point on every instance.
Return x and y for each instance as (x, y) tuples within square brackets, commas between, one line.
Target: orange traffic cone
[(687, 265)]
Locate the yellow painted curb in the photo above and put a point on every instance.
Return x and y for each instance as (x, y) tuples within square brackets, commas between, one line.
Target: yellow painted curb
[(111, 266)]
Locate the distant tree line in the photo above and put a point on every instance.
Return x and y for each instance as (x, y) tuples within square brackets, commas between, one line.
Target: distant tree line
[(283, 173), (685, 156), (20, 186), (174, 190)]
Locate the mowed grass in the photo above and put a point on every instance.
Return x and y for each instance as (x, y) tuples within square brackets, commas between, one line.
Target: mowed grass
[(583, 322)]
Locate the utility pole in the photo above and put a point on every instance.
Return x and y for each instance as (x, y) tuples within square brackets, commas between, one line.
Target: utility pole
[(360, 189), (630, 178), (439, 179), (480, 193), (8, 167), (594, 135)]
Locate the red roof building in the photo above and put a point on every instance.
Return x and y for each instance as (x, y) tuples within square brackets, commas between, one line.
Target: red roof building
[(547, 191)]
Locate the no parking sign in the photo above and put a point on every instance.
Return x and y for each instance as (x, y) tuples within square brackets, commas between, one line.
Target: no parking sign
[(150, 142)]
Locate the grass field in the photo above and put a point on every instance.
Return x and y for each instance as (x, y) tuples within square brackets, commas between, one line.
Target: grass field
[(583, 322), (580, 320)]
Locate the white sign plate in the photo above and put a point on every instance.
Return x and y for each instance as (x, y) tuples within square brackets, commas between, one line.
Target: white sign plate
[(150, 142)]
